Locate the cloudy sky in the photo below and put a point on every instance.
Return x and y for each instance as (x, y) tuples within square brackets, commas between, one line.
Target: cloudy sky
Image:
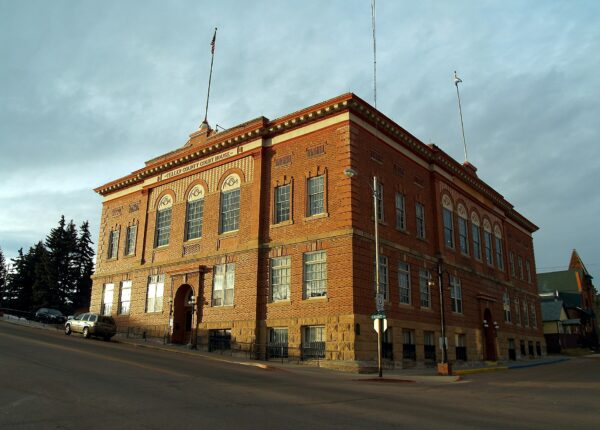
[(89, 90)]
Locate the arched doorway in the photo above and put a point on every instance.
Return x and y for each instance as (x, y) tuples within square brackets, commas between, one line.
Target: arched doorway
[(182, 314), (489, 335)]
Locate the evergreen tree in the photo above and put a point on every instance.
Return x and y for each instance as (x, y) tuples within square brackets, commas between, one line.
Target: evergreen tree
[(20, 293), (84, 263), (61, 244), (3, 279), (42, 295)]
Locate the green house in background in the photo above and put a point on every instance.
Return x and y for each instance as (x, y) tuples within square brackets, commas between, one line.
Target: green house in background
[(568, 299)]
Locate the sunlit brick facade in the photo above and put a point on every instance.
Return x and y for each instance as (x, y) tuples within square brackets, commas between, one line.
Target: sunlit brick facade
[(263, 225)]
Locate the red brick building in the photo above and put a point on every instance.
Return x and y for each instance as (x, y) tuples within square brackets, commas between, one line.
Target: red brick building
[(257, 237)]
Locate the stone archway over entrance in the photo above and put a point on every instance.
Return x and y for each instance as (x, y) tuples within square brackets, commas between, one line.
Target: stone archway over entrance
[(490, 336), (182, 314)]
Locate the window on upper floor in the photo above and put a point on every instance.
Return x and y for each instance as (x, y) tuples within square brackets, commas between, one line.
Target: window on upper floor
[(379, 193), (517, 311), (223, 284), (448, 221), (113, 244), (525, 313), (282, 199), (163, 221), (424, 290), (456, 300), (499, 248), (316, 195), (463, 229), (506, 307), (404, 282), (194, 213), (130, 237), (520, 264), (400, 212), (528, 270), (383, 277), (230, 203), (476, 235), (315, 274), (533, 316), (280, 278), (420, 215), (511, 263), (487, 242)]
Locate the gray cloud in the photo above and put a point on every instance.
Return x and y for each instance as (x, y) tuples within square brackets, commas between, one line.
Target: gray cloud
[(90, 90)]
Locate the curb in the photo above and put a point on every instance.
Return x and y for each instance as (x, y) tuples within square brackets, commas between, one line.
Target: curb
[(523, 366), (480, 370)]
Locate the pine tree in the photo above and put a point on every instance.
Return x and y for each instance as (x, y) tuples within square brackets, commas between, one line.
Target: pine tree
[(20, 294), (62, 244), (42, 294), (84, 263), (3, 279)]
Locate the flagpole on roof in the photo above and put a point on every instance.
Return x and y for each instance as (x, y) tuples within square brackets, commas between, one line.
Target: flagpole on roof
[(457, 81), (212, 59), (374, 53)]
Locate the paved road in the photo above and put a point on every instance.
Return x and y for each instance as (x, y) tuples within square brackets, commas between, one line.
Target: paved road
[(50, 381)]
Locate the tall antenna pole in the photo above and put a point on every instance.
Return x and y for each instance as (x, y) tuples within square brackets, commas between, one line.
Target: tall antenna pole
[(212, 59), (374, 53), (457, 80)]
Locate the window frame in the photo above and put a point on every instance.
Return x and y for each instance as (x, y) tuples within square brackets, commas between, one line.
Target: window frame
[(404, 273), (320, 266), (420, 220), (224, 279), (284, 205), (127, 309), (106, 308), (193, 226), (283, 272), (400, 203), (156, 283), (162, 232), (448, 218), (130, 239), (315, 199), (456, 298), (424, 288), (113, 244)]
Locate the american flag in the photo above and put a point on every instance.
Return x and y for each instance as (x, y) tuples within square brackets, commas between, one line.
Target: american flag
[(213, 42)]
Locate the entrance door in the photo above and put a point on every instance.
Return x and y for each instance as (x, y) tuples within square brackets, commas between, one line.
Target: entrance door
[(490, 336), (182, 314)]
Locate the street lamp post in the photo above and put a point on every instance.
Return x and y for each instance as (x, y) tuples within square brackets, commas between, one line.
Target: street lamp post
[(192, 302), (444, 366), (350, 173)]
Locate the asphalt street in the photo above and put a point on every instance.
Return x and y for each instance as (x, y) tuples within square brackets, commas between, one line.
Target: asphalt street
[(51, 381)]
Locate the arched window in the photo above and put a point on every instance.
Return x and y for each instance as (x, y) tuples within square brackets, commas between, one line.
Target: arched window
[(476, 234), (499, 252), (230, 203), (487, 242), (448, 221), (463, 231), (194, 213), (163, 221)]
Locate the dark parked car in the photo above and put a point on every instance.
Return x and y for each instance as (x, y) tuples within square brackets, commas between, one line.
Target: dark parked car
[(91, 324), (50, 316)]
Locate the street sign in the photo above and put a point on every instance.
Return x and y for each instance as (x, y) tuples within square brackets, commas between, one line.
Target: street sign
[(379, 301), (383, 323), (378, 316)]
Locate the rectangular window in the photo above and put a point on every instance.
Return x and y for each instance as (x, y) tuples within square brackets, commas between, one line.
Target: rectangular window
[(463, 238), (512, 353), (383, 277), (487, 243), (130, 237), (517, 311), (316, 195), (230, 210), (400, 212), (461, 347), (511, 263), (219, 340), (193, 222), (448, 228), (409, 351), (125, 298), (282, 203), (429, 345), (420, 212), (520, 264), (113, 243), (278, 343), (404, 282), (506, 307), (280, 278), (163, 227), (315, 274), (533, 316), (425, 293), (499, 254), (522, 345), (154, 297), (476, 241), (380, 202), (223, 285), (313, 342), (525, 313), (456, 295), (107, 299), (528, 270)]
